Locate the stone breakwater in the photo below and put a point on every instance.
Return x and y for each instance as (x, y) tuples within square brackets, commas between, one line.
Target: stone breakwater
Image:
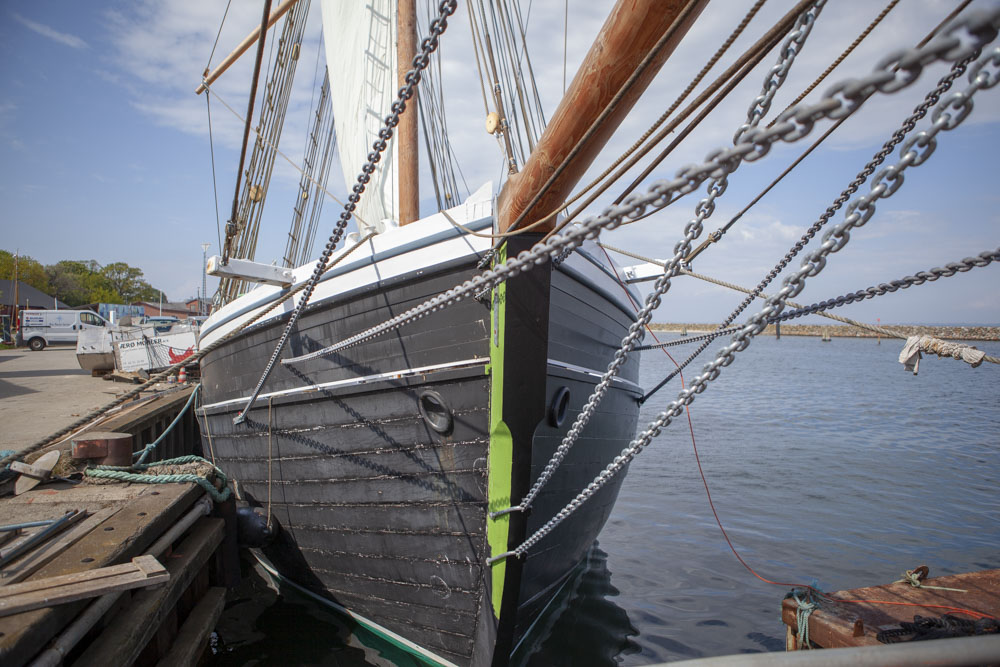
[(847, 331)]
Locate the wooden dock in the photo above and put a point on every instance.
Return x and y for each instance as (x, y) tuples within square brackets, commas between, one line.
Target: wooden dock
[(137, 574), (850, 624)]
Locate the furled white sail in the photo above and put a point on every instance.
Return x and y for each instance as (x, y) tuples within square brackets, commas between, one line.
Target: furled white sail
[(360, 41)]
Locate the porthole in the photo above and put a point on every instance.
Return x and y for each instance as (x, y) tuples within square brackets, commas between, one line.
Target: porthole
[(435, 411), (558, 407)]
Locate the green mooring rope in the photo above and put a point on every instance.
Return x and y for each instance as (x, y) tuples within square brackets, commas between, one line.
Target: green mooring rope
[(806, 607), (148, 449), (133, 474)]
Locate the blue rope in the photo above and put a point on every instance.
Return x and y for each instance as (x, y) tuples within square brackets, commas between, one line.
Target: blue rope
[(148, 449)]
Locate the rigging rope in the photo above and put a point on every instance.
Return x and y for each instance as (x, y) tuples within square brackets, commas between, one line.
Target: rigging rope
[(446, 8), (952, 268), (277, 150), (947, 116), (720, 87), (609, 108), (839, 59), (231, 224), (944, 84), (795, 124), (775, 77), (241, 238)]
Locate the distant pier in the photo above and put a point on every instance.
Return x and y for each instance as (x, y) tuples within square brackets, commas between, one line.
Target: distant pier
[(847, 331)]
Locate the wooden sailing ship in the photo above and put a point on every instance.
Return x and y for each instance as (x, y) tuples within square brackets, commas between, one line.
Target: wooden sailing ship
[(381, 464)]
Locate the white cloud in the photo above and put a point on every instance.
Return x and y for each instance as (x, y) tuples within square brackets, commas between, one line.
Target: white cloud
[(161, 48), (51, 33)]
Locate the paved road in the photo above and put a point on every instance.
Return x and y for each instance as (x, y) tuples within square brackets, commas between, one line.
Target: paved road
[(41, 392)]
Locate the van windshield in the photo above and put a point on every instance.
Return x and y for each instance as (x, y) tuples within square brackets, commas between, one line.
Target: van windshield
[(91, 318)]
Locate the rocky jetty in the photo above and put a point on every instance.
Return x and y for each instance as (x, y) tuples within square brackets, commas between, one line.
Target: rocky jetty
[(843, 330)]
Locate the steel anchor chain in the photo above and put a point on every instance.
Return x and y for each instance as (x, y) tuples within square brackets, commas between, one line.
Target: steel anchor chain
[(445, 9), (706, 207), (914, 153), (907, 126), (793, 124), (948, 270)]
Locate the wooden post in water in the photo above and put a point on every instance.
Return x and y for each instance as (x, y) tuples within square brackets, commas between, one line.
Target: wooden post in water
[(631, 31), (777, 330), (406, 131)]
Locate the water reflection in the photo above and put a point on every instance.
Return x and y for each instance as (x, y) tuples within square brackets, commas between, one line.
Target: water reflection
[(582, 625), (264, 626)]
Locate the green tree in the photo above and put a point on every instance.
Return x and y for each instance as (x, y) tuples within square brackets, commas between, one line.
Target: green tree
[(81, 282), (125, 280), (29, 271), (146, 292), (68, 280)]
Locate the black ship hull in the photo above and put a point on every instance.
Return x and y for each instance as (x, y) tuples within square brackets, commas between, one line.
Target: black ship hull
[(380, 464)]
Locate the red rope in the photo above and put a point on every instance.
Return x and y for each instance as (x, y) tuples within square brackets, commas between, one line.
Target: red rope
[(715, 513)]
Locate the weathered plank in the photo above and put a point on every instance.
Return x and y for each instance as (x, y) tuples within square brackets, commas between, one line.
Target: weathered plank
[(146, 513), (121, 643), (192, 638), (142, 571), (21, 568), (835, 625)]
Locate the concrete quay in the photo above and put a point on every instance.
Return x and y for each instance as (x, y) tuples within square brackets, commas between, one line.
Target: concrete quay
[(42, 392)]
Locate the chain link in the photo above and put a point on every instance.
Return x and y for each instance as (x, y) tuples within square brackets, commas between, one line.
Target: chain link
[(907, 126), (947, 271), (776, 76), (420, 61), (704, 209), (977, 28), (953, 110)]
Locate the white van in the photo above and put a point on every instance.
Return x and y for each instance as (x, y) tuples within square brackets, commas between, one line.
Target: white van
[(52, 327)]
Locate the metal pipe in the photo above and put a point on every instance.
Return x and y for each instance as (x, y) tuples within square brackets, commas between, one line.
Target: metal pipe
[(203, 507), (28, 524), (72, 635), (955, 652), (38, 537)]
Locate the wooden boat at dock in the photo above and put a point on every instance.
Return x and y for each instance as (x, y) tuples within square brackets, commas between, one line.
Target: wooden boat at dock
[(381, 464), (394, 447)]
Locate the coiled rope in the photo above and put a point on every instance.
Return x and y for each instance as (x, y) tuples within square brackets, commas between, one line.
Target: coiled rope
[(136, 475)]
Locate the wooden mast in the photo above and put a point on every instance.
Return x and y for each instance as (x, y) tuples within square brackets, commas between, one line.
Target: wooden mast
[(406, 131), (628, 35)]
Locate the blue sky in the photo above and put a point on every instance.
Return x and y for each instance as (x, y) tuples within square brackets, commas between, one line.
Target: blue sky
[(104, 150)]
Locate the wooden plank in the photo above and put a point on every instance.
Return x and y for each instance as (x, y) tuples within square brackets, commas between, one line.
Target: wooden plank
[(835, 625), (142, 571), (122, 642), (21, 568), (192, 638), (123, 536)]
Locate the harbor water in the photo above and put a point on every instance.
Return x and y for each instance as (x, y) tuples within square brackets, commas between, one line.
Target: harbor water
[(828, 464)]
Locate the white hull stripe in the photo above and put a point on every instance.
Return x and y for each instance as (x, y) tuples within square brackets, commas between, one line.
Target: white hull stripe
[(261, 298), (406, 373), (350, 382), (594, 374)]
